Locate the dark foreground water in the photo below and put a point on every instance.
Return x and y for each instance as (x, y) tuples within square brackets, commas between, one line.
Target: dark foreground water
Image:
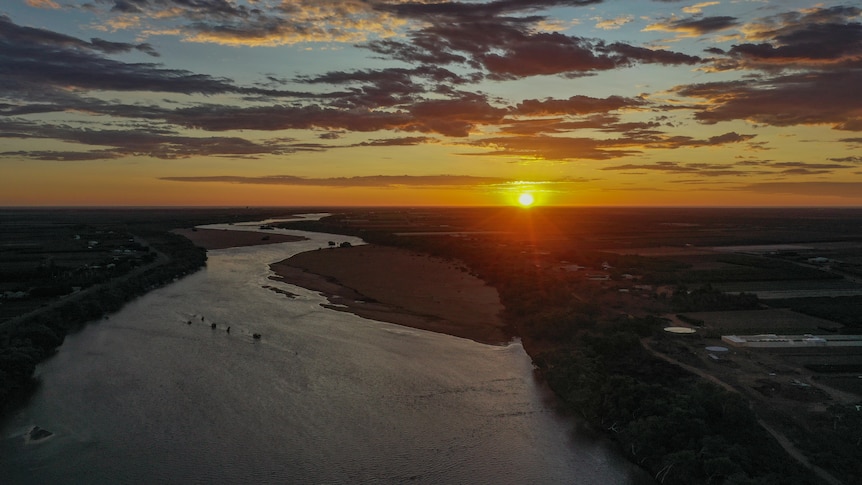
[(322, 397)]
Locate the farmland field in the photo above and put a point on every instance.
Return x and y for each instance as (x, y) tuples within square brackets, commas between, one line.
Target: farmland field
[(769, 290), (762, 321)]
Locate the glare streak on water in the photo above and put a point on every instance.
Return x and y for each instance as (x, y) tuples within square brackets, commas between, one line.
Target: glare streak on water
[(322, 397)]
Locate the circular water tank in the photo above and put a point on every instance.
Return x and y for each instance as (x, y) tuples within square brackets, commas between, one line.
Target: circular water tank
[(679, 330)]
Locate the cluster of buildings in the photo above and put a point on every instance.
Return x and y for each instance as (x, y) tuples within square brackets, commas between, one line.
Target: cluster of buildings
[(807, 340)]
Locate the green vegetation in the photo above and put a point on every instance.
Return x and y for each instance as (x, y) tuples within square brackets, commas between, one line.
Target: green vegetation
[(682, 429), (837, 445)]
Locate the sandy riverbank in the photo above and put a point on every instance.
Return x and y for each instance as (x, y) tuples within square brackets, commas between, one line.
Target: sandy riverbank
[(402, 287), (382, 283), (221, 239)]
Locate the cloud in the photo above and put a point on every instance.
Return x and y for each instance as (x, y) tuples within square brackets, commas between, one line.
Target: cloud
[(808, 166), (811, 98), (659, 140), (509, 47), (553, 148), (575, 148), (614, 23), (459, 11), (557, 125), (454, 117), (847, 159), (817, 38), (658, 167), (17, 38), (849, 190), (450, 117), (382, 181), (383, 87), (136, 141), (213, 117), (388, 76), (449, 45), (747, 168), (49, 4), (698, 8), (38, 57), (393, 142), (694, 26), (603, 122), (628, 55), (254, 23), (63, 156), (359, 181), (701, 170)]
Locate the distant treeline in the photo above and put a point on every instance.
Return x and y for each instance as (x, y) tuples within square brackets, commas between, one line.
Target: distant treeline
[(740, 267)]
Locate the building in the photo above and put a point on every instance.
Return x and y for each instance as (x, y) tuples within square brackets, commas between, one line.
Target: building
[(807, 340)]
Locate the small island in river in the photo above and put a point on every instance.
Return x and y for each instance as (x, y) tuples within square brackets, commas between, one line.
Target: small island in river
[(381, 283), (222, 239)]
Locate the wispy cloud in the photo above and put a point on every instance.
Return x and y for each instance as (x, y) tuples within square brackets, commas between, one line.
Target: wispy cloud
[(363, 181), (848, 190), (614, 23), (477, 36), (140, 141), (694, 26), (253, 23), (698, 7)]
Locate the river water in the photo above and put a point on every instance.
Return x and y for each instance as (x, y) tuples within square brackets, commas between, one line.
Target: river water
[(322, 397)]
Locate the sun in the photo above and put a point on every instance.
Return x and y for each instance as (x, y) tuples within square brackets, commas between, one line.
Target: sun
[(526, 199)]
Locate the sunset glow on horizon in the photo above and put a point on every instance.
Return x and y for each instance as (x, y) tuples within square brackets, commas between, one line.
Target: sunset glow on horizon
[(400, 102)]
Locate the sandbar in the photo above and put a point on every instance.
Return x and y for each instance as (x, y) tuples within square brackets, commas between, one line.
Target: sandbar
[(224, 238), (402, 287)]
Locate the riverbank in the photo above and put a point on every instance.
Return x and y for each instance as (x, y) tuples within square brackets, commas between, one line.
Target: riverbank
[(402, 287), (29, 339)]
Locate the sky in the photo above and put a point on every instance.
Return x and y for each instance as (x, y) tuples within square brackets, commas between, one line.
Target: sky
[(430, 102)]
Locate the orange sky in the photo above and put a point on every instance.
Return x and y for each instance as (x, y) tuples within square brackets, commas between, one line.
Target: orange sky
[(399, 102)]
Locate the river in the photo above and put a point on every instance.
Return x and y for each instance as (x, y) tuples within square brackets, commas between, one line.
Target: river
[(323, 396)]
